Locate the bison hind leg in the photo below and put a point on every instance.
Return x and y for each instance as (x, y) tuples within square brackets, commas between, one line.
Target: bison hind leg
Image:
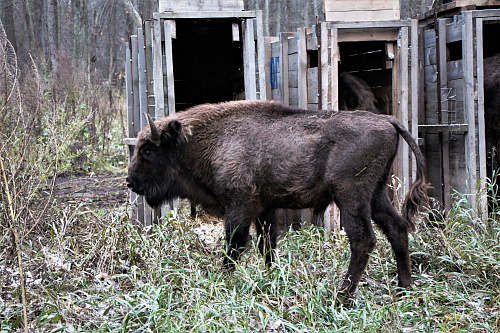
[(237, 227), (267, 234), (355, 219), (396, 230)]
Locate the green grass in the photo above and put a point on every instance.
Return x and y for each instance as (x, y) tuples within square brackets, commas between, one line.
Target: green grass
[(93, 271)]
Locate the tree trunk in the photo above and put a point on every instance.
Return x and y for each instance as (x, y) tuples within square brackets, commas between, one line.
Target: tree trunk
[(8, 22), (51, 28)]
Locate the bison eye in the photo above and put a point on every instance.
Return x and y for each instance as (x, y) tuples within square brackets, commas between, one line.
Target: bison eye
[(147, 153)]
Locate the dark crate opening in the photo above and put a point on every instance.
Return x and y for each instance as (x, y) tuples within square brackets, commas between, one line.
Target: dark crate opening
[(368, 61), (208, 64)]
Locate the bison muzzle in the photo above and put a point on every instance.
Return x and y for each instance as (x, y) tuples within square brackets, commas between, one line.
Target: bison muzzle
[(244, 159)]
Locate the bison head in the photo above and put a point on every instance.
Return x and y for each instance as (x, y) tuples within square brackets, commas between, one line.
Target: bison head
[(155, 164)]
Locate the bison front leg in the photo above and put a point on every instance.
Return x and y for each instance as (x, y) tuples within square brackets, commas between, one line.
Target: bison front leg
[(266, 232), (237, 225), (357, 225)]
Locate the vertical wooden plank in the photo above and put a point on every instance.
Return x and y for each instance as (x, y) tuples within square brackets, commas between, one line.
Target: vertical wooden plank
[(335, 58), (261, 56), (324, 65), (130, 119), (135, 84), (480, 117), (130, 91), (143, 105), (139, 202), (149, 65), (404, 149), (284, 69), (158, 68), (249, 60), (267, 68), (302, 69), (396, 92), (470, 119), (443, 85), (414, 84), (143, 90), (169, 27)]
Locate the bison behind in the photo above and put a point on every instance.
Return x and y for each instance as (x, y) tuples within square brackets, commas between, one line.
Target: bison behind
[(243, 160)]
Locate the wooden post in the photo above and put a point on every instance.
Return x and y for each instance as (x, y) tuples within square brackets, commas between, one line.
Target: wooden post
[(261, 56), (324, 66), (403, 106), (284, 68), (158, 68), (143, 104), (249, 60), (136, 122), (414, 83), (470, 119), (169, 26), (335, 58), (443, 108), (302, 67), (130, 118), (480, 118)]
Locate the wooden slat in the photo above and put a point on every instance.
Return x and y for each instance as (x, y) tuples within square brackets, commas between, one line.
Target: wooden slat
[(261, 56), (404, 149), (414, 86), (136, 123), (453, 31), (440, 128), (362, 15), (267, 67), (365, 35), (324, 65), (284, 66), (335, 57), (143, 84), (249, 60), (454, 69), (207, 14), (158, 68), (302, 67), (369, 24), (470, 138), (169, 63), (480, 116), (202, 5), (349, 5), (130, 90), (443, 84), (149, 65)]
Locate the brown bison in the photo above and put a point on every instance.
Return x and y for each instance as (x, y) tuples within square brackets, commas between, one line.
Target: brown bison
[(242, 160), (356, 94)]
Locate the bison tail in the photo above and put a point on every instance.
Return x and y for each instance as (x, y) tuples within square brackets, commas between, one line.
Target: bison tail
[(417, 197)]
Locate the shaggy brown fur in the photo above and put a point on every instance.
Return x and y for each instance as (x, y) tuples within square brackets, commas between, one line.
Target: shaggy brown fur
[(244, 159), (355, 94)]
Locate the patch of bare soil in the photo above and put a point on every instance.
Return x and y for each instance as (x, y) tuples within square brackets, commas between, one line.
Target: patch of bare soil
[(97, 190)]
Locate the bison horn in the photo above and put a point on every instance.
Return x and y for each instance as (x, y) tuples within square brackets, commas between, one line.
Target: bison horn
[(155, 135)]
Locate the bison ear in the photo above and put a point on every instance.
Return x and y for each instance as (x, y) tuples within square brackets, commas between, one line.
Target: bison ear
[(174, 133)]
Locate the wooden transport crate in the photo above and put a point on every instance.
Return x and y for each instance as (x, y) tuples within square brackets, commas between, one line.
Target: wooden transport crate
[(215, 55), (452, 116), (304, 70)]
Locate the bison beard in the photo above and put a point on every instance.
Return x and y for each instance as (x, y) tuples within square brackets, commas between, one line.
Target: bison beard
[(244, 159)]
